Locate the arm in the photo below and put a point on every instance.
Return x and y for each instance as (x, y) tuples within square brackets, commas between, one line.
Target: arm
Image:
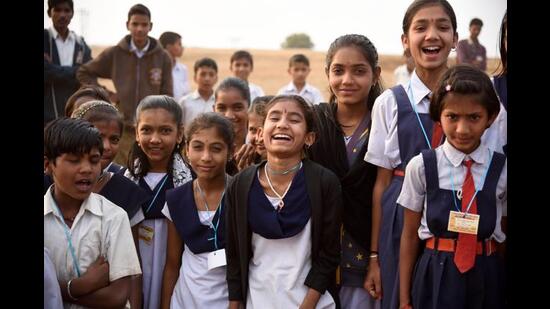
[(233, 273), (372, 280), (167, 86), (245, 156), (174, 251), (99, 67), (407, 254), (323, 267), (112, 296), (136, 284)]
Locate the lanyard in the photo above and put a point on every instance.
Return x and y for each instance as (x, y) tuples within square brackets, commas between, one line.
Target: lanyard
[(69, 239), (411, 98), (477, 189), (156, 194), (212, 226)]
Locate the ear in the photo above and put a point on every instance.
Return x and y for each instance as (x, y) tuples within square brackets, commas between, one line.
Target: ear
[(137, 135), (377, 71), (288, 70), (405, 42), (128, 25), (326, 71), (150, 26), (181, 134), (47, 166), (310, 139), (455, 40)]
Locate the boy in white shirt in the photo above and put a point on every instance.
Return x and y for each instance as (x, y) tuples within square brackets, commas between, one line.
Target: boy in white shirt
[(202, 99), (241, 65), (88, 237), (171, 41), (298, 68)]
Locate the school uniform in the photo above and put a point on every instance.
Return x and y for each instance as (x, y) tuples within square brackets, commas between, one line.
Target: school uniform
[(100, 228), (192, 105), (311, 94), (180, 78), (501, 87), (273, 257), (344, 156), (396, 136), (52, 291), (202, 232), (432, 181), (255, 91), (153, 230), (116, 168)]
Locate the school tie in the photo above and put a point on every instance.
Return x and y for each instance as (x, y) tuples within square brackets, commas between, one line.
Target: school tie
[(437, 130), (465, 253)]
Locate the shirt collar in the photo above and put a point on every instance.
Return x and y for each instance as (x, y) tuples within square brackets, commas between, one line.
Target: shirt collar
[(456, 157), (133, 47), (92, 203), (292, 87), (419, 90), (56, 35)]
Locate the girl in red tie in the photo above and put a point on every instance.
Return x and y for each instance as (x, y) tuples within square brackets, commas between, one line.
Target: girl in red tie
[(454, 197)]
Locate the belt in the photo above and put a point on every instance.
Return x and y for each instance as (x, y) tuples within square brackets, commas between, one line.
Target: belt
[(397, 172), (484, 247)]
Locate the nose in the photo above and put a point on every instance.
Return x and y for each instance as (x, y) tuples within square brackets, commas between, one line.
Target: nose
[(347, 78), (462, 127), (229, 114), (206, 156), (106, 145), (431, 33), (155, 138)]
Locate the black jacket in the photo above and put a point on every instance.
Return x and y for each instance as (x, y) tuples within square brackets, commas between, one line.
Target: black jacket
[(325, 195)]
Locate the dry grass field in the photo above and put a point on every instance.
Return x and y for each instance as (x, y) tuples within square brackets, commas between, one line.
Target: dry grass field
[(270, 66)]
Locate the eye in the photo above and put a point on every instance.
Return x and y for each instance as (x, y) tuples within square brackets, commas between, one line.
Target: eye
[(166, 130), (475, 117), (337, 71), (115, 140)]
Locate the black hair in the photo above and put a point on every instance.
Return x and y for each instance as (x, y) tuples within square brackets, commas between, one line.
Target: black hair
[(242, 54), (153, 102), (96, 92), (205, 62), (307, 109), (139, 9), (72, 136), (467, 80), (234, 83), (417, 5), (476, 22), (97, 110), (53, 3), (298, 58), (168, 38), (208, 120), (367, 48), (258, 105), (502, 41)]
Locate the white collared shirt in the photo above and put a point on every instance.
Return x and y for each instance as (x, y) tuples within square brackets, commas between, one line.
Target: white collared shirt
[(65, 48), (451, 174), (100, 228), (255, 91), (180, 76), (308, 92), (383, 148), (139, 52), (193, 105)]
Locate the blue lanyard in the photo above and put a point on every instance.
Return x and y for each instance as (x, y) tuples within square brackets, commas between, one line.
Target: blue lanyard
[(477, 189), (411, 98), (212, 226), (156, 194), (69, 240)]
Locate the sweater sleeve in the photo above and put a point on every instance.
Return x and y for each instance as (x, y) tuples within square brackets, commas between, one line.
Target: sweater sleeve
[(323, 268), (233, 273), (99, 67)]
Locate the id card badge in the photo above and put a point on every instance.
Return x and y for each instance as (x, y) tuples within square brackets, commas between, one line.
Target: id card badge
[(146, 233), (463, 222), (216, 259)]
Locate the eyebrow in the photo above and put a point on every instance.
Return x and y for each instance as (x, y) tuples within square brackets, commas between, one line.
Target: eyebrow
[(426, 20)]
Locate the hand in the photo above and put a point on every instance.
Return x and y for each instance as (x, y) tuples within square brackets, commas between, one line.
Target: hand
[(245, 156), (407, 305), (372, 282), (113, 97), (97, 274), (47, 58)]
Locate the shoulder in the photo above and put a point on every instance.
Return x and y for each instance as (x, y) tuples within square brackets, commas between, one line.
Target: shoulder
[(386, 98), (416, 163), (317, 171), (110, 211)]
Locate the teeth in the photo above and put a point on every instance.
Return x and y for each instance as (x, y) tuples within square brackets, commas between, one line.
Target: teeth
[(432, 48), (281, 136)]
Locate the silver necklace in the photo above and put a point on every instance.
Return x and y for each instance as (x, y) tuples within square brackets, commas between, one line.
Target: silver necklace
[(281, 202)]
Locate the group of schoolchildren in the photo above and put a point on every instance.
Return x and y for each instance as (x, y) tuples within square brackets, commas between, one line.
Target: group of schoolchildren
[(390, 198)]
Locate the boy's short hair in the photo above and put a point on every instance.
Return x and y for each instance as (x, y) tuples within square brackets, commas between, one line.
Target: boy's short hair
[(476, 22), (242, 54), (168, 38), (298, 58), (53, 3), (69, 135), (139, 9), (205, 62)]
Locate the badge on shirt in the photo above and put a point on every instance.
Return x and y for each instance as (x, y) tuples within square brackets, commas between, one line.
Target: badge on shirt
[(463, 222), (155, 76), (146, 233), (216, 259)]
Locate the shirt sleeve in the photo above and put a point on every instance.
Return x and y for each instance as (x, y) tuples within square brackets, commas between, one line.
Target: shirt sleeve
[(413, 192), (383, 148), (120, 248), (502, 190)]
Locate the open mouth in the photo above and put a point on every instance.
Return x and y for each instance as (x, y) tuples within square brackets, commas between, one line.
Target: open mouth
[(84, 185), (281, 137), (431, 50)]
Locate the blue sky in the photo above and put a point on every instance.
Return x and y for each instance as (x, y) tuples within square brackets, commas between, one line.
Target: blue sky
[(264, 24)]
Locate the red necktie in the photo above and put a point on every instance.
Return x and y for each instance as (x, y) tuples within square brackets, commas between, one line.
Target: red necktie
[(465, 253), (437, 135)]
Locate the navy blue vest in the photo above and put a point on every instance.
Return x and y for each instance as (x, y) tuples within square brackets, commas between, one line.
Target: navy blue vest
[(183, 210), (501, 88), (440, 201), (155, 212), (265, 220)]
